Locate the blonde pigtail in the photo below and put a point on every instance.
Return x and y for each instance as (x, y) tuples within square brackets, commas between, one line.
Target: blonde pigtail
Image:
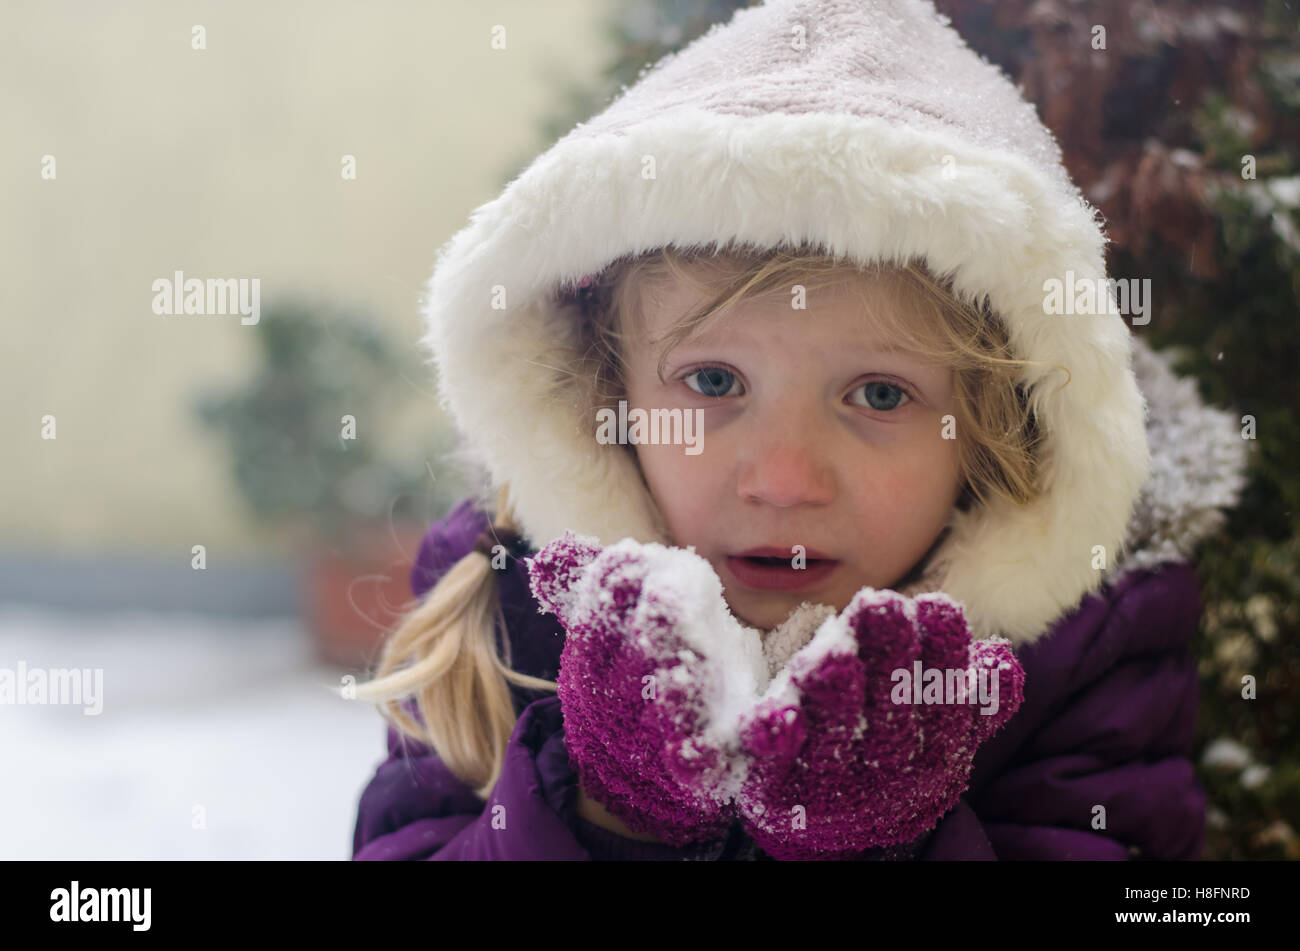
[(444, 653)]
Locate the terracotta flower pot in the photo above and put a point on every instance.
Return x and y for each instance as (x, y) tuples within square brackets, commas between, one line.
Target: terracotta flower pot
[(354, 597)]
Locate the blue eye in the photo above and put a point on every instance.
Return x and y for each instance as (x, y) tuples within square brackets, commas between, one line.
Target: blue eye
[(884, 396), (719, 381)]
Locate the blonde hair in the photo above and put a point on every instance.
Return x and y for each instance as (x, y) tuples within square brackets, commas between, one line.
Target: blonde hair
[(444, 652), (998, 437), (447, 654)]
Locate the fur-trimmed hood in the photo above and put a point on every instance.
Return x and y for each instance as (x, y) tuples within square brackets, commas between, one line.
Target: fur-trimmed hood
[(871, 131)]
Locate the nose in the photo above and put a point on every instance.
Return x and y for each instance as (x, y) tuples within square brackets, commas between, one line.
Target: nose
[(788, 466)]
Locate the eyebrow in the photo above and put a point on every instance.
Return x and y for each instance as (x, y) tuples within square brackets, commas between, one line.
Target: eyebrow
[(851, 351)]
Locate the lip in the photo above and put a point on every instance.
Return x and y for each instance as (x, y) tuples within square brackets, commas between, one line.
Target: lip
[(778, 551), (781, 577)]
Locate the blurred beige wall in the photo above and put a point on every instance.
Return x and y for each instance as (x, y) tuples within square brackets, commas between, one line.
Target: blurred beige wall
[(226, 162)]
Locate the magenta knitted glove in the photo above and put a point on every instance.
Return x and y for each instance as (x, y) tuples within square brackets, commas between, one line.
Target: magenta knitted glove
[(650, 719), (668, 724), (846, 754)]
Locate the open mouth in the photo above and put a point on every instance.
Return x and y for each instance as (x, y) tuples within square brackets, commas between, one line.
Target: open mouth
[(768, 571), (778, 561)]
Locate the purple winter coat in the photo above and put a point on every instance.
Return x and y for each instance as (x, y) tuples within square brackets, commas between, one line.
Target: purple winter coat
[(1108, 719)]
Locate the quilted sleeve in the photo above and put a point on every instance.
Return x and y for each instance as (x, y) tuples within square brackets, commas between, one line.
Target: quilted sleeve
[(415, 808), (1097, 763)]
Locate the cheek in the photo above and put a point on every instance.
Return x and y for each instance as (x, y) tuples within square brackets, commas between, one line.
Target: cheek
[(676, 483), (915, 486)]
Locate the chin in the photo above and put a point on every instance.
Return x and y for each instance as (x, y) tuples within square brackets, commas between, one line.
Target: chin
[(760, 624), (739, 616)]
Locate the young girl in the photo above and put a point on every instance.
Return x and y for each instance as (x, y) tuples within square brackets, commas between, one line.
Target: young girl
[(827, 231)]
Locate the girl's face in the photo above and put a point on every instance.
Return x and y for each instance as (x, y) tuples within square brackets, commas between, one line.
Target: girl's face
[(815, 433)]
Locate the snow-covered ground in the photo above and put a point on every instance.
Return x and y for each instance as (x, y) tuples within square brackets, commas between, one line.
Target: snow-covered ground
[(218, 739)]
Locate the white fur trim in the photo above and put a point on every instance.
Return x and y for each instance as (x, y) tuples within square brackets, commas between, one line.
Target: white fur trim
[(1000, 228)]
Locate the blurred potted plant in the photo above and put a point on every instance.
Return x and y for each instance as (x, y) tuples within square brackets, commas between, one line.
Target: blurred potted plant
[(304, 435)]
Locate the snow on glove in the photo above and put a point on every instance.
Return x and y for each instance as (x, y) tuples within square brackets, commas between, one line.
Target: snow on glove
[(842, 759), (654, 676)]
